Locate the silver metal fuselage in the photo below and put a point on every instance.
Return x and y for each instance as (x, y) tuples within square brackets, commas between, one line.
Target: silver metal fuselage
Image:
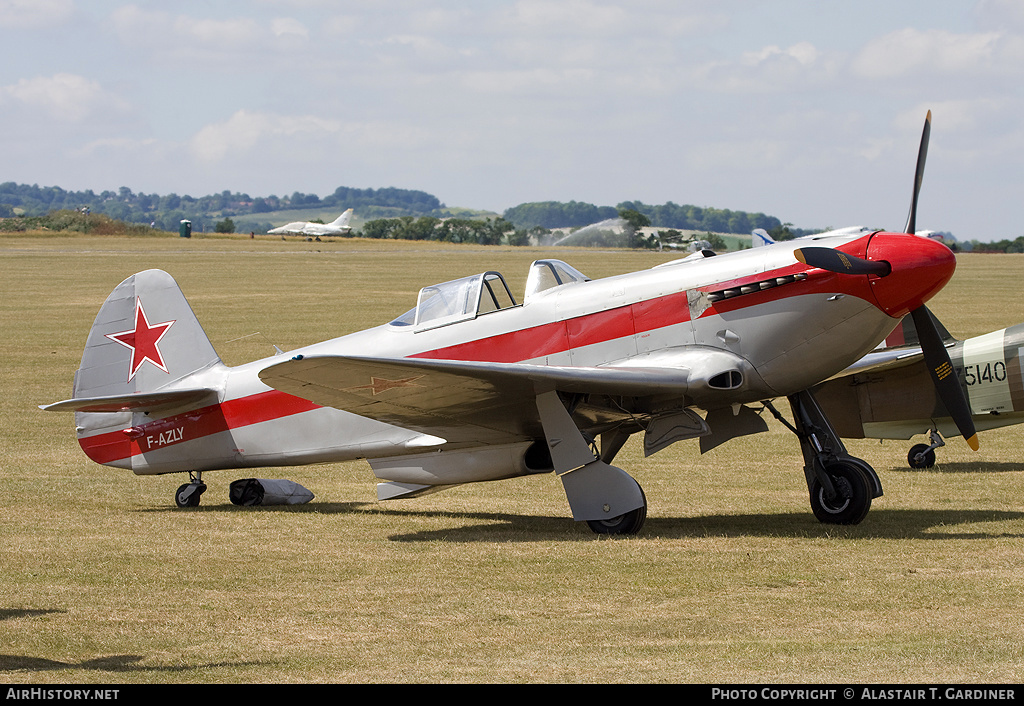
[(793, 325)]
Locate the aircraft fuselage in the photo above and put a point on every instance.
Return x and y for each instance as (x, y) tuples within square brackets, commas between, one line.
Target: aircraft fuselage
[(788, 325)]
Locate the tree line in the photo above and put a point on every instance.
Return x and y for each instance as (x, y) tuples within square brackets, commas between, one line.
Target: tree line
[(402, 214), (554, 214), (166, 212)]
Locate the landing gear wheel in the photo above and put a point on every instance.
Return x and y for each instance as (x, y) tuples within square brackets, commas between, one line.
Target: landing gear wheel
[(921, 456), (627, 523), (188, 494), (852, 500)]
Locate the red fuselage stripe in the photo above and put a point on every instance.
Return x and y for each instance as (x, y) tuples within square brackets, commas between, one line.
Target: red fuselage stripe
[(642, 317), (214, 419), (561, 336)]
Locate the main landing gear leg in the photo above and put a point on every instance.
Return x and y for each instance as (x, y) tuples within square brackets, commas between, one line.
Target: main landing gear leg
[(607, 498), (841, 486), (188, 494)]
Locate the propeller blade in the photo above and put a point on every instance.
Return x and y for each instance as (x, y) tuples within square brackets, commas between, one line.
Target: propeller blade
[(943, 375), (841, 263), (922, 155)]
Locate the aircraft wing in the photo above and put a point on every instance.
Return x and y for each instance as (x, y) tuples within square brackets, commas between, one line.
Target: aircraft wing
[(464, 402)]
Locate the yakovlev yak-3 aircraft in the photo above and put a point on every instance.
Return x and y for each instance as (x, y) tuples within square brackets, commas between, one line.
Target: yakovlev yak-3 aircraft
[(470, 385)]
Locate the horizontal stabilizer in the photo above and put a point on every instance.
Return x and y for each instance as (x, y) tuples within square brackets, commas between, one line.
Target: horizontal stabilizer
[(138, 402)]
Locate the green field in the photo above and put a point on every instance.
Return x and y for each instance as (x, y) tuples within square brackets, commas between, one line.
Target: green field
[(731, 579)]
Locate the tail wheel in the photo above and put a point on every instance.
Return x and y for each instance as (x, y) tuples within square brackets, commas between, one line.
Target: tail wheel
[(921, 456), (852, 499), (188, 495)]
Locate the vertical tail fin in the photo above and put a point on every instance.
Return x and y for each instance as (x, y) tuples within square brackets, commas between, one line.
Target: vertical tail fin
[(759, 237), (142, 350), (344, 219), (144, 338)]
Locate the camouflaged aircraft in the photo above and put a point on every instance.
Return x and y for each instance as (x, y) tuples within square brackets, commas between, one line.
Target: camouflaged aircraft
[(889, 393), (472, 385)]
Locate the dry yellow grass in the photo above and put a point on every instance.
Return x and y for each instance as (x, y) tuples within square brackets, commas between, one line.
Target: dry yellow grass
[(731, 580)]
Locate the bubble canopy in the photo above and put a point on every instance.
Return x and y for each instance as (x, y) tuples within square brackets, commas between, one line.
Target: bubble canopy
[(469, 297)]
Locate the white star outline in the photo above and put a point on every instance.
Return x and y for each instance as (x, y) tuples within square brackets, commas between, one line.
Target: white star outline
[(140, 312)]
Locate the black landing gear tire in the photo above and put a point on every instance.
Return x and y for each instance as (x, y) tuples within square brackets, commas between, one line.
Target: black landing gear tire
[(852, 500), (188, 495), (626, 523), (921, 456)]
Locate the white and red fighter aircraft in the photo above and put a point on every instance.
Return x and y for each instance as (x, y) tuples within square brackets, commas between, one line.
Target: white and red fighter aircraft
[(471, 385)]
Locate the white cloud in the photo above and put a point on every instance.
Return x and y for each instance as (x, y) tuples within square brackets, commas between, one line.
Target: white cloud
[(1000, 14), (804, 53), (22, 14), (245, 130), (939, 52), (570, 16), (199, 40), (238, 32), (607, 20), (289, 27), (63, 96), (295, 140), (770, 69)]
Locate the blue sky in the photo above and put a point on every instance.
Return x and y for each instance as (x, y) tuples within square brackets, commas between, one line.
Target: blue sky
[(808, 111)]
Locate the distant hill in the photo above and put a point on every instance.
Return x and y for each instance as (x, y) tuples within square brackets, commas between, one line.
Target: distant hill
[(554, 214), (167, 211), (261, 213)]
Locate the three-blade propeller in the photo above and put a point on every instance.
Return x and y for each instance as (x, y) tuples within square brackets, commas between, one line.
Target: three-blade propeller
[(936, 358), (935, 355), (941, 368)]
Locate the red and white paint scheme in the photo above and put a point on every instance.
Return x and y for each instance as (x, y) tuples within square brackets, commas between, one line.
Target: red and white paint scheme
[(473, 384), (142, 340)]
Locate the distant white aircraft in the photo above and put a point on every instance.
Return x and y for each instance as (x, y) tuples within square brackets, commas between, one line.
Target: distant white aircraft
[(760, 237), (340, 226)]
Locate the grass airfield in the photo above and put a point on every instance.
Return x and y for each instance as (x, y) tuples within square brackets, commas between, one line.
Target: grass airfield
[(731, 579)]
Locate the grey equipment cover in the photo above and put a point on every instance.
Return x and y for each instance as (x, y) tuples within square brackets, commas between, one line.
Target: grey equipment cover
[(261, 491)]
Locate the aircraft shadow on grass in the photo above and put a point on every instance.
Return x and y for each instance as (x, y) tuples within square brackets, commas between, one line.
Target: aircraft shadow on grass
[(509, 527), (9, 613), (967, 467), (890, 524), (110, 663)]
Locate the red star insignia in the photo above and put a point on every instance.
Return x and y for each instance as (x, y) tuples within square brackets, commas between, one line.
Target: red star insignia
[(378, 385), (143, 340)]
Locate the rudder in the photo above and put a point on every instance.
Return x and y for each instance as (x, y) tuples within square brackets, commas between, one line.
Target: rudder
[(343, 219), (144, 338)]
